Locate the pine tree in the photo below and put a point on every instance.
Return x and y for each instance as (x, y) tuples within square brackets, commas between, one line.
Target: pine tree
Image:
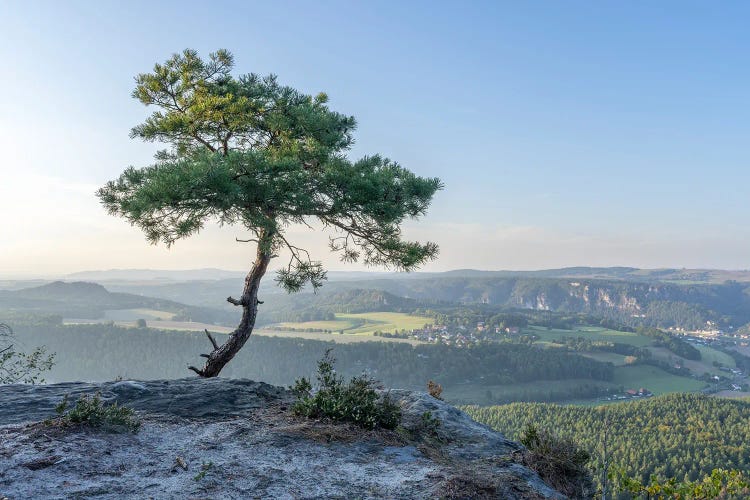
[(251, 152)]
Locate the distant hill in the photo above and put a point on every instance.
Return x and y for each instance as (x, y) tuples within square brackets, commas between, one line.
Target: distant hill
[(667, 275), (155, 275), (91, 301), (630, 302), (655, 297)]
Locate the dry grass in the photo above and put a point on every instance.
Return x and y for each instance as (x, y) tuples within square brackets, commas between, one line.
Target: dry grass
[(327, 431), (558, 461)]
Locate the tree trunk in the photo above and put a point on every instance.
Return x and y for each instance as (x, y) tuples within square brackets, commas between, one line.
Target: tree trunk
[(223, 354)]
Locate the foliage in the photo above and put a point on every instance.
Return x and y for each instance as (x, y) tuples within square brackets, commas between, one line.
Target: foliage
[(720, 483), (356, 402), (684, 436), (559, 461), (674, 344), (101, 352), (91, 411), (249, 151), (20, 367), (429, 425)]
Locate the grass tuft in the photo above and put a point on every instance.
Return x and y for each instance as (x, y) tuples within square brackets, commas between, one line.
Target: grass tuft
[(91, 411)]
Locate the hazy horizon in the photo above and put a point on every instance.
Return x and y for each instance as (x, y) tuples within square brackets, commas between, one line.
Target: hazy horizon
[(74, 275)]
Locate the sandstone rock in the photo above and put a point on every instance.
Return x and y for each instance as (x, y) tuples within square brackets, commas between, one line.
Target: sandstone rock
[(224, 438)]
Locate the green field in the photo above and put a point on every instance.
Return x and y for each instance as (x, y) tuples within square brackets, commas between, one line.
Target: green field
[(134, 314), (363, 323), (709, 355), (654, 379), (330, 337), (333, 325), (606, 357), (590, 333)]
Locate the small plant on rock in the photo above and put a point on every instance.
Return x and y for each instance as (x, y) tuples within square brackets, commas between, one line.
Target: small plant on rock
[(90, 411), (357, 402), (207, 466)]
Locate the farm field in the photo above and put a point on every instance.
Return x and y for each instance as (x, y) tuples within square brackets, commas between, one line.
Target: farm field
[(745, 396), (654, 379), (590, 333), (606, 357), (135, 314), (363, 323), (330, 337), (192, 326), (705, 365), (709, 355)]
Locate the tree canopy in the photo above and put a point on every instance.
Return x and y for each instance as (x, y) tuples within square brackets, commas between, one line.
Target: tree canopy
[(249, 151), (253, 152)]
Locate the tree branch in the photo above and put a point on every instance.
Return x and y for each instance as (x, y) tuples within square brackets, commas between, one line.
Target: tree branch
[(196, 370), (235, 302), (213, 341)]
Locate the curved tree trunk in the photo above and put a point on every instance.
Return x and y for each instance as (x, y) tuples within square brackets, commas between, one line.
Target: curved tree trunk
[(223, 354)]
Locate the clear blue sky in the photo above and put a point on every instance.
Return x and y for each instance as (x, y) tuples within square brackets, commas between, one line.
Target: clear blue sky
[(567, 133)]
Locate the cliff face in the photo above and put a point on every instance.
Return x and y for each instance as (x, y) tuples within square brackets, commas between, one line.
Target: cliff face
[(222, 438), (665, 304)]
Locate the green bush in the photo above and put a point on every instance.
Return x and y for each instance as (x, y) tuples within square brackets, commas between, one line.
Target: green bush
[(721, 483), (90, 411), (356, 402)]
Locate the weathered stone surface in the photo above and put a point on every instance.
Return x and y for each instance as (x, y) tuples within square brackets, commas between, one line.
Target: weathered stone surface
[(223, 438)]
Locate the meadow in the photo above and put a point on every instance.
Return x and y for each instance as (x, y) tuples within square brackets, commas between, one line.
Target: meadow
[(363, 323), (593, 333)]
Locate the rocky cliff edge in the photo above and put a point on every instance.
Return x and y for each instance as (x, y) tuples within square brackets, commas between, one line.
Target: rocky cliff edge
[(223, 438)]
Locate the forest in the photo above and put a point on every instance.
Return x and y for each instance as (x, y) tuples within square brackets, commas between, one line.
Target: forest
[(105, 352), (684, 436)]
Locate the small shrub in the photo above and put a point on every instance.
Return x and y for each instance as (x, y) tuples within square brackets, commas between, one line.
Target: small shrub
[(207, 466), (357, 402), (90, 411), (558, 461), (435, 389), (18, 367)]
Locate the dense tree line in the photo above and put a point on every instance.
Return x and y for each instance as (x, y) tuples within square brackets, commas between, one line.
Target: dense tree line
[(323, 306), (674, 344), (104, 352), (684, 436)]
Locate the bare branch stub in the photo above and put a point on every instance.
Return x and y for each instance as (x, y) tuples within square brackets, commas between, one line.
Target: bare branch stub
[(212, 339), (196, 370), (234, 301)]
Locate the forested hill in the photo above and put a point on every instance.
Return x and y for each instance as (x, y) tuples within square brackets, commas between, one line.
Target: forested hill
[(626, 300), (631, 302), (676, 435), (91, 301)]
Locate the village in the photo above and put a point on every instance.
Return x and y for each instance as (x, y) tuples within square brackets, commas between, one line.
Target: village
[(459, 336)]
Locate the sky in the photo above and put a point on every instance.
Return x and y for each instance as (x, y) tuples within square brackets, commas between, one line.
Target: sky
[(566, 133)]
